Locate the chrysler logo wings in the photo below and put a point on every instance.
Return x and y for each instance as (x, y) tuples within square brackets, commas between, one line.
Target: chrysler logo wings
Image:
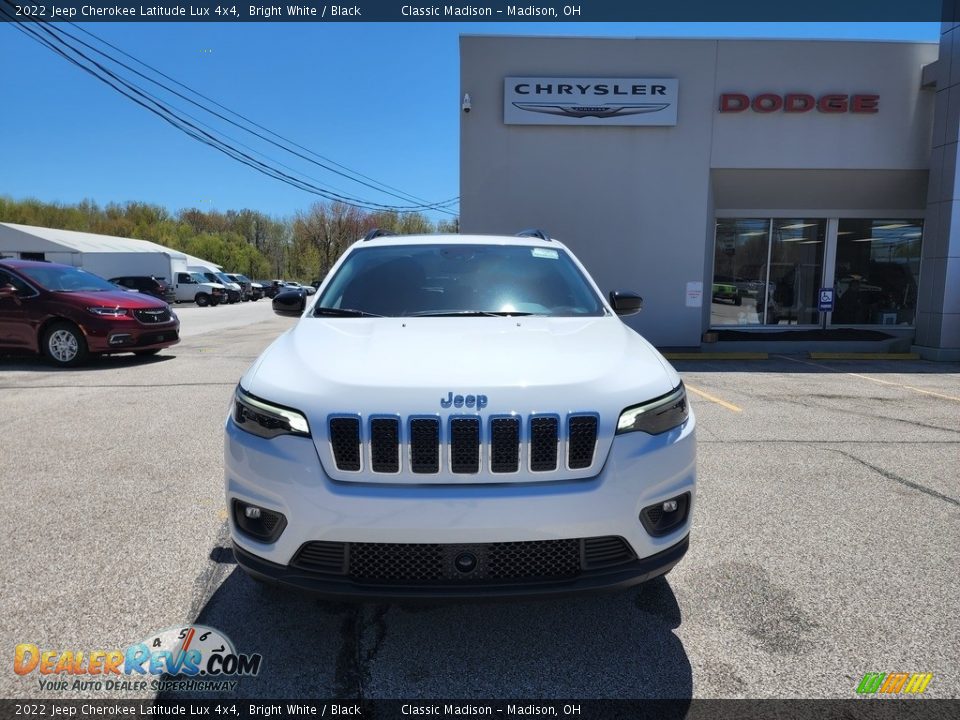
[(598, 111)]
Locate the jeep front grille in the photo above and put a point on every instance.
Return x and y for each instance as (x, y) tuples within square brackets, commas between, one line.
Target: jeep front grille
[(464, 445), (437, 563), (345, 441)]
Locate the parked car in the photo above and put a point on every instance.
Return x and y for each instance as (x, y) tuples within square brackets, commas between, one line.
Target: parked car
[(308, 289), (727, 291), (194, 287), (232, 290), (251, 290), (158, 287), (271, 287), (68, 314), (522, 439)]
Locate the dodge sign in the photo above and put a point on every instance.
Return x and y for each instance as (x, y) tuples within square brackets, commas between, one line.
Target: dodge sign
[(589, 101)]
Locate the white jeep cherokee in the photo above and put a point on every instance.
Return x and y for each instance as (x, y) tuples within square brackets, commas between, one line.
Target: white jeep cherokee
[(459, 416)]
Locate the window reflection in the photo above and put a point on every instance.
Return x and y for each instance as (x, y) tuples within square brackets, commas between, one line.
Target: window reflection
[(767, 272), (739, 271), (878, 263), (796, 269)]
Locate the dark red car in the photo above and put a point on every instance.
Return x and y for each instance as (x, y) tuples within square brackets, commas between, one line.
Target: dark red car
[(67, 314)]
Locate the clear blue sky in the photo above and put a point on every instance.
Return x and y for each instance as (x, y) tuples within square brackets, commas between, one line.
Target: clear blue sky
[(380, 98)]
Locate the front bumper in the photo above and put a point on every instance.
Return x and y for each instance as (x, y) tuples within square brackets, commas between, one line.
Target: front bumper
[(285, 475), (619, 577), (130, 336)]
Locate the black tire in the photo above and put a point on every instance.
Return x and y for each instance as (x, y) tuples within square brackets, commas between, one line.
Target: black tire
[(738, 301), (202, 300), (64, 344), (214, 302), (145, 353)]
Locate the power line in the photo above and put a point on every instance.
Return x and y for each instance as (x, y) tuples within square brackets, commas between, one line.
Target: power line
[(156, 106), (239, 115)]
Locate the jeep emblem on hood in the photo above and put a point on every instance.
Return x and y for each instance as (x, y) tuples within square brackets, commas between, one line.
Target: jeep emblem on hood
[(477, 401)]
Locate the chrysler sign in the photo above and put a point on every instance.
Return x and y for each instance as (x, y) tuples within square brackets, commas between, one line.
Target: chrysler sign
[(589, 101)]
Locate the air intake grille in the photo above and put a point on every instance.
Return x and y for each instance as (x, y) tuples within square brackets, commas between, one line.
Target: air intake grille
[(385, 445), (542, 559), (439, 564), (345, 440), (605, 551), (386, 562), (504, 445), (465, 445), (581, 441), (324, 557), (425, 445), (543, 443)]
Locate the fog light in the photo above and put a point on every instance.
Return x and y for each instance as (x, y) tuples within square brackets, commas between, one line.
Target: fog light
[(257, 522), (665, 517), (119, 339)]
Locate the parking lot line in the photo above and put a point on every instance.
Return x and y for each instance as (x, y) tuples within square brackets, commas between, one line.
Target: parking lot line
[(873, 379), (711, 398)]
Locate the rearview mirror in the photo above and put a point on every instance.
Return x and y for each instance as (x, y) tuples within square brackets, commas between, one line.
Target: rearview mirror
[(625, 302), (289, 303)]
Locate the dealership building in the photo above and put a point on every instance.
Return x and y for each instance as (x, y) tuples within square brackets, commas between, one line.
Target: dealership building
[(754, 186)]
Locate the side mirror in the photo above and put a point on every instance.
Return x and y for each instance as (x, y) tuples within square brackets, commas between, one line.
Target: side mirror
[(625, 302), (7, 291), (290, 303)]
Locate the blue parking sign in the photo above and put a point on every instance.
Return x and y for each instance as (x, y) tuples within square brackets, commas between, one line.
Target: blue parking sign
[(826, 299)]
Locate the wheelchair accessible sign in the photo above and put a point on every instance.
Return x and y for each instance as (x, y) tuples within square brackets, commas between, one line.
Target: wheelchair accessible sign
[(826, 299)]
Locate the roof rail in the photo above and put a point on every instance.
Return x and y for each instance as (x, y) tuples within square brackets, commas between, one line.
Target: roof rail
[(377, 232), (534, 232)]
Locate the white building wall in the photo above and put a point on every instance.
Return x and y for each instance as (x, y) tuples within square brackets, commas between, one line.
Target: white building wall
[(637, 204)]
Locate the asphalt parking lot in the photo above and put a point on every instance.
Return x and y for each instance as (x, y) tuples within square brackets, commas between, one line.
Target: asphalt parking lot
[(826, 541)]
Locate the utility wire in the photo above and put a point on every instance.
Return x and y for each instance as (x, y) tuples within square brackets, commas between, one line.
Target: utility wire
[(159, 108), (241, 116)]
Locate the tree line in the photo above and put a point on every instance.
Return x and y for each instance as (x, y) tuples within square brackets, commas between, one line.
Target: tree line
[(303, 247)]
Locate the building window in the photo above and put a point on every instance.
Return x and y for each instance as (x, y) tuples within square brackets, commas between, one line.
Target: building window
[(877, 270), (767, 271), (33, 256)]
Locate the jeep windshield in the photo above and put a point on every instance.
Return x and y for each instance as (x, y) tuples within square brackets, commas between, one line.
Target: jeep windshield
[(459, 281)]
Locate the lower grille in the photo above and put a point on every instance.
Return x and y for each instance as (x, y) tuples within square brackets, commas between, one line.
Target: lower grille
[(153, 316), (153, 338), (439, 564)]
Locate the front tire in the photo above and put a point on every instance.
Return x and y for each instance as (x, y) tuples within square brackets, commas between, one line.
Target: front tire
[(64, 345), (202, 300)]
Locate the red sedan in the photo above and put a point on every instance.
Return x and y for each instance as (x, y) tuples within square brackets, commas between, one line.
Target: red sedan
[(67, 314)]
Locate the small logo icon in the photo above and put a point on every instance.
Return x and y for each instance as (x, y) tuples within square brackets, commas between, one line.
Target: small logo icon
[(477, 401), (598, 111), (894, 683)]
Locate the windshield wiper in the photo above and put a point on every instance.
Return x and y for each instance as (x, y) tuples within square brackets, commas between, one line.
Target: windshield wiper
[(344, 312), (469, 313)]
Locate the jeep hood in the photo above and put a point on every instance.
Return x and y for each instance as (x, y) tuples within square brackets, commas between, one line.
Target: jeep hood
[(404, 365)]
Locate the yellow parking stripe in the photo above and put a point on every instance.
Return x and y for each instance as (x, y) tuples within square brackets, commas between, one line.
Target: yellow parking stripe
[(863, 356), (874, 380), (711, 398), (715, 355)]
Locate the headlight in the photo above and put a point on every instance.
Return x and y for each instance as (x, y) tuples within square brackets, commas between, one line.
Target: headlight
[(108, 311), (266, 419), (656, 416)]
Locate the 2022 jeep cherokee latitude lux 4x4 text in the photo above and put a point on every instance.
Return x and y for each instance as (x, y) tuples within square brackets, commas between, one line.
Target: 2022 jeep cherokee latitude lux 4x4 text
[(459, 416)]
